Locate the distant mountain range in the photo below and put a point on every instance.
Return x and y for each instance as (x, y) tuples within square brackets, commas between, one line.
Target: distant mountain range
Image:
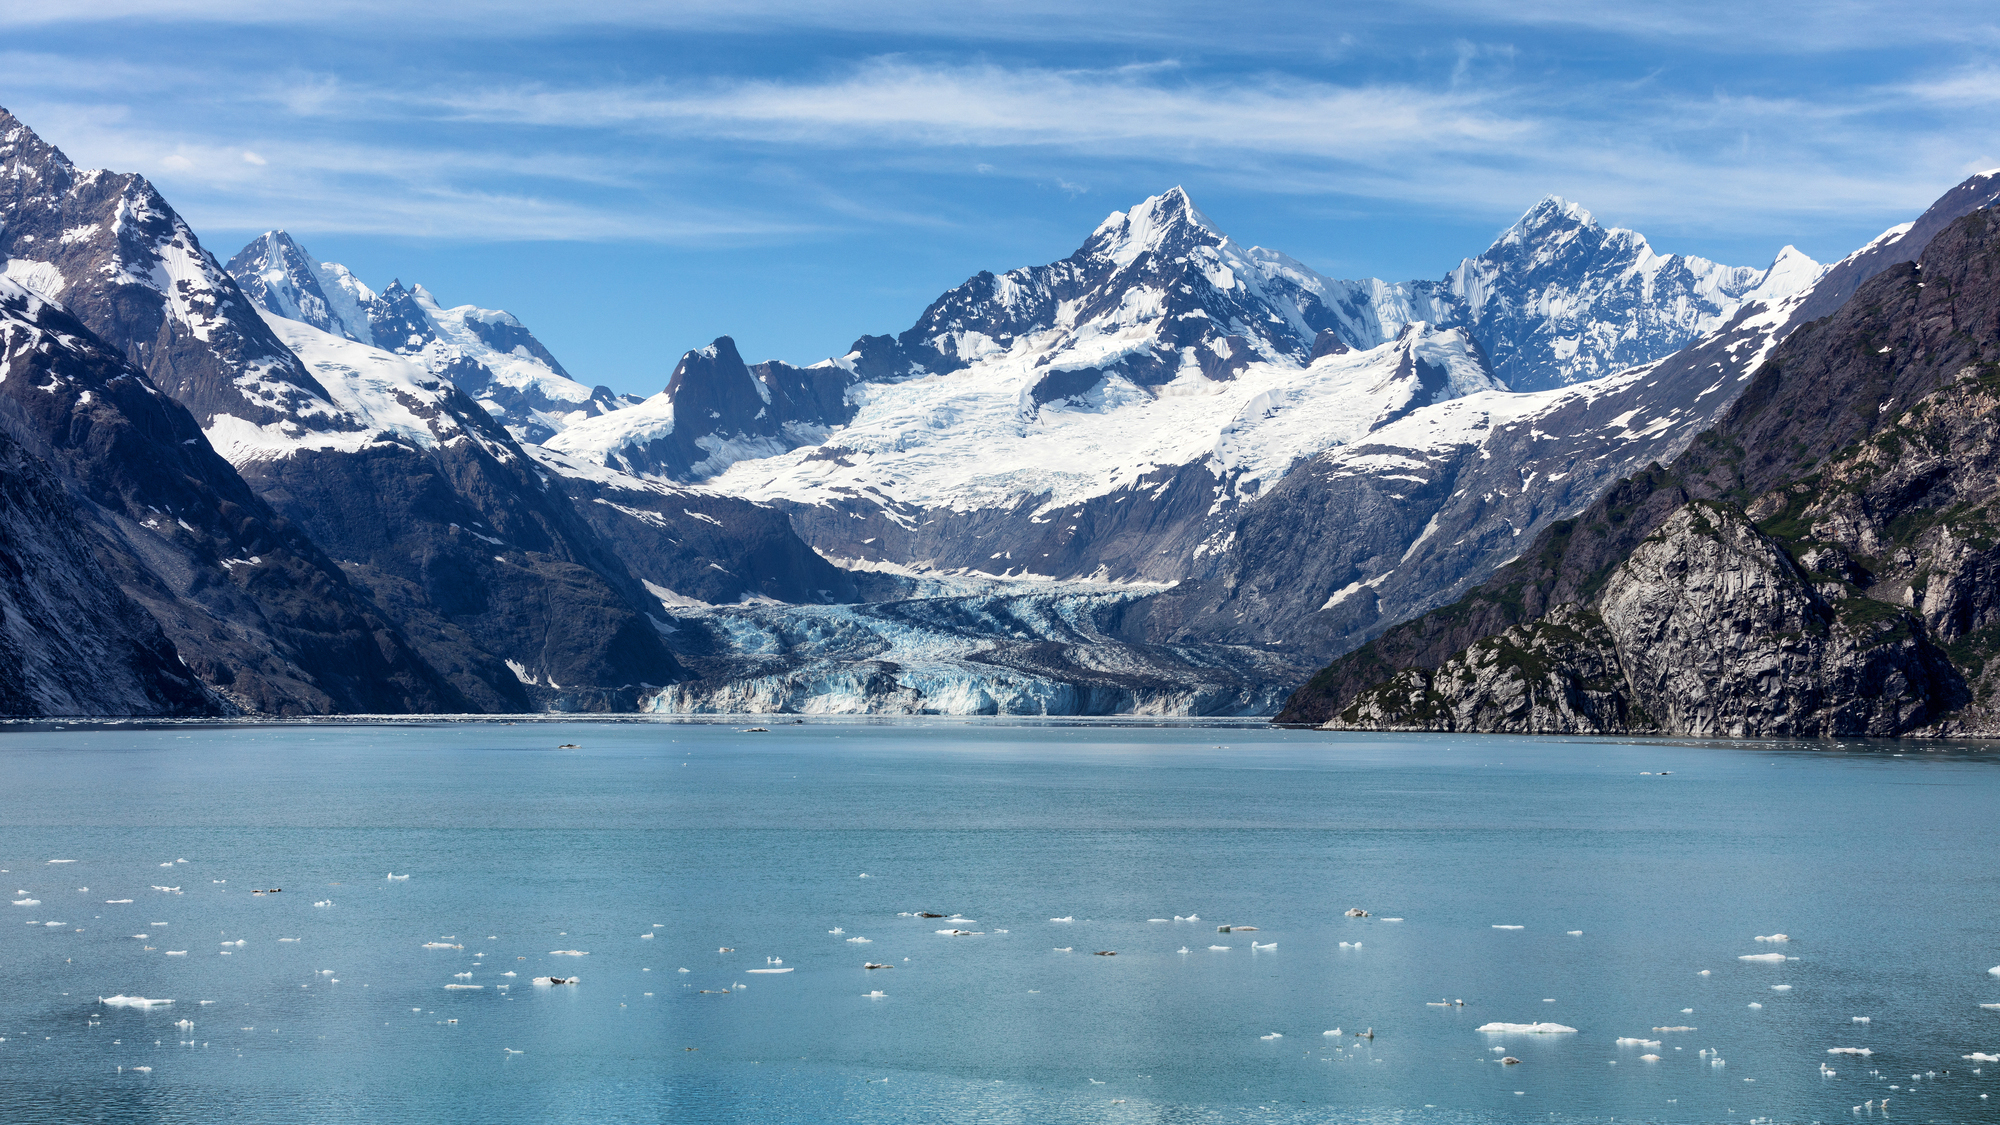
[(1168, 474)]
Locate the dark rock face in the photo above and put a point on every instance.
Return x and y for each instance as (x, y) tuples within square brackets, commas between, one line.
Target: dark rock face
[(480, 554), (1559, 673), (1857, 603), (689, 544), (1898, 246), (263, 618), (71, 642)]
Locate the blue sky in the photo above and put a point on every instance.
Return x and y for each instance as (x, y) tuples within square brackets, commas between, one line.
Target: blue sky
[(633, 179)]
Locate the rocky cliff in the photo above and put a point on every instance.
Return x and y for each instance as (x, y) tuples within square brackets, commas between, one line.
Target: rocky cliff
[(1819, 563), (265, 620)]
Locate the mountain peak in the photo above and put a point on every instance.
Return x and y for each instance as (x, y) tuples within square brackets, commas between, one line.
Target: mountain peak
[(17, 140), (1151, 225), (1549, 211)]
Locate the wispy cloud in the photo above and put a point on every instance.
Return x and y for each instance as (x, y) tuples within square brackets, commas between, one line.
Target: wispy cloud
[(1473, 131)]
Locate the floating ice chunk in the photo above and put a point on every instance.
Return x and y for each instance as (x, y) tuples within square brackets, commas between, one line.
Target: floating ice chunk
[(1773, 958), (1510, 927), (568, 953), (1628, 1041), (1677, 1029), (117, 902), (1069, 919), (1980, 1056), (962, 933), (860, 941), (463, 976), (1850, 1051), (1781, 988), (1576, 933), (1991, 1007), (395, 878), (1865, 1019), (1527, 1028), (875, 995), (1754, 1004), (465, 987), (27, 902), (556, 980), (1218, 947), (62, 861), (1774, 937), (1995, 970), (1273, 1035), (770, 970), (1266, 945), (324, 903), (288, 939), (1388, 919), (1703, 973), (123, 1001), (1649, 1058), (184, 1025), (1063, 949), (1156, 919), (177, 953), (1335, 1031), (441, 945), (682, 970)]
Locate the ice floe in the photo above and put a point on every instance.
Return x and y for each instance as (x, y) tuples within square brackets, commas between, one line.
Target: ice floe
[(1527, 1028), (123, 1001)]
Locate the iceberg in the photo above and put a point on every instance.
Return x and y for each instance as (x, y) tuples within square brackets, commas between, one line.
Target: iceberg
[(1526, 1028)]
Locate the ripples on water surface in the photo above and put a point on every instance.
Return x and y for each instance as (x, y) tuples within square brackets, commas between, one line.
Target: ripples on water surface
[(1880, 868)]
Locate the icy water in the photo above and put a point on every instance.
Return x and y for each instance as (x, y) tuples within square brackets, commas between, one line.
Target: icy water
[(329, 1000)]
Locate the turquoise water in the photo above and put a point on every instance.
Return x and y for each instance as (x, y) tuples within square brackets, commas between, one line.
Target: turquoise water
[(1880, 868)]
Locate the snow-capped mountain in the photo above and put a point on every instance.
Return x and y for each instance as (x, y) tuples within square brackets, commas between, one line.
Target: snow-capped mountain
[(442, 525), (457, 532), (715, 411), (488, 353), (1169, 472), (219, 585), (1106, 415), (1558, 299), (1154, 294)]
